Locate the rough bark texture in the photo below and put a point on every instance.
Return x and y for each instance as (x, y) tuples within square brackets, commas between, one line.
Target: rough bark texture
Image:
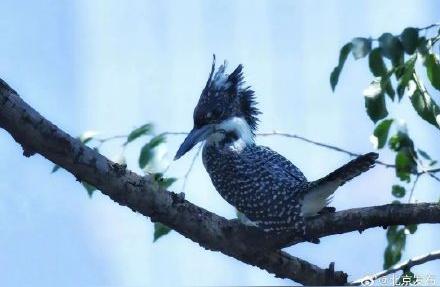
[(142, 194)]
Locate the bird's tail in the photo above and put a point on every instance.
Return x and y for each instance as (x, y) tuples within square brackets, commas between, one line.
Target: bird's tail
[(320, 191)]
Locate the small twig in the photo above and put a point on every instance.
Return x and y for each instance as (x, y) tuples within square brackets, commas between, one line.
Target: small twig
[(185, 177), (308, 141), (419, 29), (429, 26), (429, 172), (435, 255), (324, 145), (413, 188), (176, 133), (335, 148), (434, 170), (102, 140)]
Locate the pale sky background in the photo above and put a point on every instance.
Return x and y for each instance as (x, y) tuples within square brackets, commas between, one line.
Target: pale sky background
[(114, 65)]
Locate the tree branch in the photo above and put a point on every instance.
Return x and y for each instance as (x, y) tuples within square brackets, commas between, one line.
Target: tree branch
[(360, 219), (142, 194), (406, 265)]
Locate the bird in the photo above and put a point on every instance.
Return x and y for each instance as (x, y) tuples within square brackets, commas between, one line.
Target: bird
[(269, 190)]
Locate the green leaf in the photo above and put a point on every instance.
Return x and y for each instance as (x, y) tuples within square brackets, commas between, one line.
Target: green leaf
[(391, 233), (405, 164), (391, 46), (422, 47), (398, 191), (87, 136), (361, 47), (379, 69), (398, 62), (376, 63), (138, 132), (408, 71), (160, 230), (147, 150), (145, 156), (376, 107), (401, 141), (400, 241), (167, 182), (410, 39), (90, 188), (433, 70), (426, 107), (343, 54), (163, 181), (391, 257), (381, 132), (424, 154), (157, 140), (55, 168), (396, 243), (412, 228)]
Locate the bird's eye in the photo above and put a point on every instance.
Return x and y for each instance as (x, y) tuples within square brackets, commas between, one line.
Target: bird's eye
[(208, 115)]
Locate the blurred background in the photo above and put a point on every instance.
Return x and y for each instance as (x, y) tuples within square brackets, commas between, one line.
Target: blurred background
[(113, 65)]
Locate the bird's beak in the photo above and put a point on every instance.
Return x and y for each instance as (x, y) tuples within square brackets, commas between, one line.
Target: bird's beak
[(194, 137)]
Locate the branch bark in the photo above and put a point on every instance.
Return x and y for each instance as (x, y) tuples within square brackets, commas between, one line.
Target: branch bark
[(142, 194)]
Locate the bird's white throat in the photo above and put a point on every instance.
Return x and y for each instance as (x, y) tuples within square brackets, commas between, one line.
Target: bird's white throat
[(236, 125)]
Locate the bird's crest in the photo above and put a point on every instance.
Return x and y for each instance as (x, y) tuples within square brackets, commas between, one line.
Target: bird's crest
[(229, 92)]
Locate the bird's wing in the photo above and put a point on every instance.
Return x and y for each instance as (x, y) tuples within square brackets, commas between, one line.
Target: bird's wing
[(276, 163)]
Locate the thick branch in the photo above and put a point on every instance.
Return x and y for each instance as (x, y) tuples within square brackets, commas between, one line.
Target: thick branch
[(142, 194), (359, 219)]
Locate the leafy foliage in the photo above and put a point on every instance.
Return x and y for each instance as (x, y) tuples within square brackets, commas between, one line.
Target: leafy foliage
[(147, 151), (424, 105), (138, 132), (379, 69), (360, 47), (405, 159), (433, 70), (89, 188), (146, 155), (343, 54), (393, 48), (409, 39), (381, 132), (55, 168), (398, 55), (375, 105), (398, 191), (160, 230), (162, 181), (396, 238), (408, 71)]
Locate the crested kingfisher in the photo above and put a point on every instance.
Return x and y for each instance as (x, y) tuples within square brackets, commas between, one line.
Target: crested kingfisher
[(260, 183)]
